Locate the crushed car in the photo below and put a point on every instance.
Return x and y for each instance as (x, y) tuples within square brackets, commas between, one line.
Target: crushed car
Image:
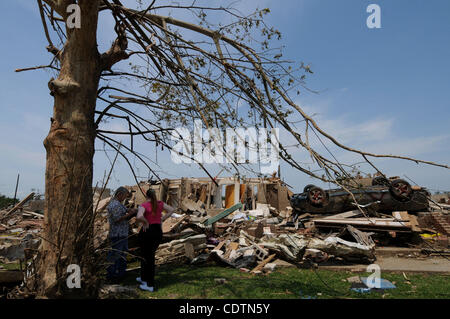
[(388, 195)]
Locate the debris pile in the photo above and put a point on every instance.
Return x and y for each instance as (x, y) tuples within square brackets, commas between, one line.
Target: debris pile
[(19, 227), (250, 225), (259, 232)]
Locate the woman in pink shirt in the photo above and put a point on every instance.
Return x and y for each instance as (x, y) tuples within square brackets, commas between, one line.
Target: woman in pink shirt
[(150, 236)]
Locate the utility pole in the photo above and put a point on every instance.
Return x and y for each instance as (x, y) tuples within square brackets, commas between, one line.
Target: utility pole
[(15, 193)]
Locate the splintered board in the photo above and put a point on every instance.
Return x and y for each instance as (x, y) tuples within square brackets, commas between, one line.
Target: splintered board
[(223, 214)]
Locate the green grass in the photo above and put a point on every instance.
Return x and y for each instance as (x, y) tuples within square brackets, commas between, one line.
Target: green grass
[(10, 266), (195, 282), (198, 282)]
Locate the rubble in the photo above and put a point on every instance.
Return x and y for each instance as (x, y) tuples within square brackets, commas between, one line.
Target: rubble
[(203, 194), (19, 205), (14, 248), (400, 222), (344, 249), (175, 249), (117, 291), (253, 229), (19, 230)]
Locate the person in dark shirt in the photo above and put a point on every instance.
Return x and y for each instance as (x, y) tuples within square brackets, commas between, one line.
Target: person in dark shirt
[(118, 216)]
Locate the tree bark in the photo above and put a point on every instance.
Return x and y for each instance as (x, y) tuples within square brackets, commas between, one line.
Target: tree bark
[(68, 225)]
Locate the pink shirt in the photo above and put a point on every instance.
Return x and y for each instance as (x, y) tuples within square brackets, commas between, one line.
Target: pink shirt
[(153, 219)]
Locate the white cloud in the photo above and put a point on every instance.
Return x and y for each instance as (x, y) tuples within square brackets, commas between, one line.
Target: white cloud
[(377, 135), (374, 135), (347, 131)]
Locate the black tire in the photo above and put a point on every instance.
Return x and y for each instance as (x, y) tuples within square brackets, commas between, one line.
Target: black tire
[(308, 187), (380, 180), (401, 190), (317, 196)]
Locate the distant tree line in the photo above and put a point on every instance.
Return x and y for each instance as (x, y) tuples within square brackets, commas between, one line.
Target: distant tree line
[(5, 201)]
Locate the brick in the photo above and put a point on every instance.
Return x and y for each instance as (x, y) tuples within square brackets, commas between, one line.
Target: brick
[(260, 253)]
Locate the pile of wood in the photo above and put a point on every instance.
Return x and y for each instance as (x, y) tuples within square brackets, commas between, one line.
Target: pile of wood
[(253, 229), (399, 222), (19, 228), (180, 250)]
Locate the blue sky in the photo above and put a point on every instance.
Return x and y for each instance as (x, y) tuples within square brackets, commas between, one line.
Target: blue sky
[(383, 90)]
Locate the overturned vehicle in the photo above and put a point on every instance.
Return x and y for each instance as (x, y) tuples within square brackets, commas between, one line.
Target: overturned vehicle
[(387, 195)]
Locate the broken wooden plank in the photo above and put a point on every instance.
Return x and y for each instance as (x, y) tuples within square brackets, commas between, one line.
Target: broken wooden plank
[(407, 219), (361, 237), (170, 224), (189, 251), (223, 214), (190, 205), (220, 245), (203, 193), (429, 230), (401, 216), (33, 214), (209, 196), (230, 248), (414, 224), (366, 222), (19, 205), (263, 263), (380, 224), (353, 213)]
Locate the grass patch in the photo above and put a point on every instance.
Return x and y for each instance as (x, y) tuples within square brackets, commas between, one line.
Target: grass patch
[(9, 266), (194, 282)]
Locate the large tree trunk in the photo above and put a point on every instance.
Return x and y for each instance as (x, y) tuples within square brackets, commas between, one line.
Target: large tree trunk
[(68, 227)]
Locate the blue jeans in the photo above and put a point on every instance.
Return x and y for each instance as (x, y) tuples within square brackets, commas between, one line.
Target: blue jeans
[(117, 258)]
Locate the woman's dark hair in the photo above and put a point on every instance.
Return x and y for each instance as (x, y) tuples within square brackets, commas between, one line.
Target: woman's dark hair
[(153, 201)]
